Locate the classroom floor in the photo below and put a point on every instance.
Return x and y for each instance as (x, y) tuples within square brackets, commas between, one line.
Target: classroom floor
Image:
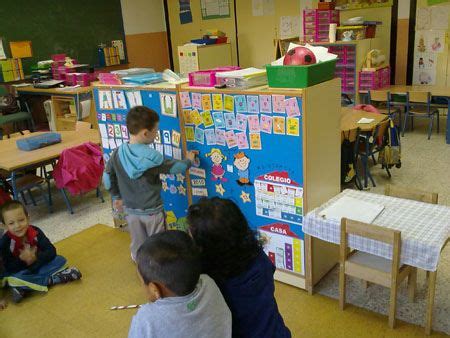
[(81, 309), (425, 166)]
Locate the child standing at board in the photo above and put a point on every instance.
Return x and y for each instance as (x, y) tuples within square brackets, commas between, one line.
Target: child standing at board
[(29, 258), (132, 177), (232, 255)]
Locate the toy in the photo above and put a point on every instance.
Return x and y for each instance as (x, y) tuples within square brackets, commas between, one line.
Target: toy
[(347, 36), (374, 58), (299, 56), (421, 47)]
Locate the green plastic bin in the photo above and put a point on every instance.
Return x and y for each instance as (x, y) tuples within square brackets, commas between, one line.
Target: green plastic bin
[(300, 76)]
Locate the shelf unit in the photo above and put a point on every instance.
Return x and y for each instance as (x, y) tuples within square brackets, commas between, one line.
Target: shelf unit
[(316, 24)]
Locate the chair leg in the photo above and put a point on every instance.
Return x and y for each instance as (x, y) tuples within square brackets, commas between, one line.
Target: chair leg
[(388, 171), (66, 200), (412, 123), (405, 120), (31, 197), (50, 209), (341, 287), (100, 195), (437, 114), (23, 197), (392, 306), (412, 284), (373, 159), (430, 126)]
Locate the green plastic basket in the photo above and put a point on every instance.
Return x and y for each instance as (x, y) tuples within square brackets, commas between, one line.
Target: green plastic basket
[(300, 76)]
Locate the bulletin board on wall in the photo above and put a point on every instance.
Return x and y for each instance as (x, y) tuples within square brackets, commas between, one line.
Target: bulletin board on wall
[(112, 105), (246, 143)]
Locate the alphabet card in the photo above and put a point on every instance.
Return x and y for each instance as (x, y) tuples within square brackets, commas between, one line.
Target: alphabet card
[(206, 102), (255, 141), (253, 104), (196, 118), (187, 116), (199, 135), (230, 121), (266, 124), (119, 99), (253, 123), (278, 104), (220, 137), (176, 138), (189, 134), (279, 125), (217, 102), (292, 108), (210, 136), (134, 98), (207, 119), (228, 103), (168, 104), (231, 139), (293, 126), (242, 140), (219, 120), (265, 103), (185, 100), (105, 99), (241, 103), (196, 101), (241, 122)]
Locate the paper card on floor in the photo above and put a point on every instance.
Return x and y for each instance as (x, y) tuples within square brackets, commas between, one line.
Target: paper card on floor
[(253, 104), (166, 137), (197, 100), (230, 121), (207, 119), (176, 138), (210, 135), (185, 100), (124, 131), (196, 118), (266, 124), (197, 172), (255, 141), (187, 116), (220, 137), (292, 126), (242, 140), (253, 123), (168, 150), (134, 98), (200, 192), (206, 102), (278, 103), (279, 125), (241, 122), (119, 99), (103, 131), (291, 106), (240, 103), (199, 135), (228, 103), (177, 153), (189, 131), (231, 139), (265, 103), (219, 120), (105, 99), (217, 101)]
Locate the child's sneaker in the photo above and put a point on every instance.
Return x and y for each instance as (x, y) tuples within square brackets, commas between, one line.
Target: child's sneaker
[(65, 276), (17, 295)]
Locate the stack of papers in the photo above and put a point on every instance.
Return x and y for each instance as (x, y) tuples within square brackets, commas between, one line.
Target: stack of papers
[(352, 208), (365, 120), (242, 78)]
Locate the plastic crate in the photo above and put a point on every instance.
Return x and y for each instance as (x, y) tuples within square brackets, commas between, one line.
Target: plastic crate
[(316, 24), (300, 76), (207, 78)]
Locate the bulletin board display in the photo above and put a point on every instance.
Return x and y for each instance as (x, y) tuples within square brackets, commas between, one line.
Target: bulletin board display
[(112, 105), (251, 151)]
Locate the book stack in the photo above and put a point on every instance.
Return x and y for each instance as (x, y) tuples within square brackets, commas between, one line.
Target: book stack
[(111, 56), (11, 70)]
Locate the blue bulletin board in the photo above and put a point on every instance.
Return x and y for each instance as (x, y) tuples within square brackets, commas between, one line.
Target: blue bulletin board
[(251, 151), (112, 105)]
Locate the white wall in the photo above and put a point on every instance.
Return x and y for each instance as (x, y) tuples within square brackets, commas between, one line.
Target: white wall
[(143, 16)]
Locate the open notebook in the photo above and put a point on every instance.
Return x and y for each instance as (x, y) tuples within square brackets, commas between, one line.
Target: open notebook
[(352, 208)]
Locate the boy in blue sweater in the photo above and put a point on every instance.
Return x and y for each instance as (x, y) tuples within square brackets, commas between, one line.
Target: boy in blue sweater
[(132, 177)]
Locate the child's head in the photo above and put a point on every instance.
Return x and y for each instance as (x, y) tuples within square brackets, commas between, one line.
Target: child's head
[(168, 264), (15, 217), (222, 233), (143, 124)]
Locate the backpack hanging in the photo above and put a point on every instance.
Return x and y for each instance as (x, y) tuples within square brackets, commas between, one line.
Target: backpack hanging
[(391, 154)]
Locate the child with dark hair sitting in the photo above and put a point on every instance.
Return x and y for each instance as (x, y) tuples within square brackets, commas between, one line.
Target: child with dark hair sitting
[(232, 255), (183, 303), (29, 259)]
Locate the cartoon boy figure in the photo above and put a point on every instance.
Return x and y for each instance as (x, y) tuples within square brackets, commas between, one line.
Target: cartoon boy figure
[(242, 162)]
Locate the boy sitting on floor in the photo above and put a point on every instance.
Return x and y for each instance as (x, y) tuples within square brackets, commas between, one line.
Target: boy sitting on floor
[(183, 303), (29, 258)]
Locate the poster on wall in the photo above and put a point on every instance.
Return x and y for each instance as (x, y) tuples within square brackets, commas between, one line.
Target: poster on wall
[(215, 9), (357, 4), (263, 7), (185, 11)]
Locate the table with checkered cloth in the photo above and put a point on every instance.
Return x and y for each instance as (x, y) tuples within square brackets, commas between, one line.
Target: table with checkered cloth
[(425, 228)]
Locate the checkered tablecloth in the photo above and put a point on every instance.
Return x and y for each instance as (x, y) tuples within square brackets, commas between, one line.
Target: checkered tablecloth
[(425, 228)]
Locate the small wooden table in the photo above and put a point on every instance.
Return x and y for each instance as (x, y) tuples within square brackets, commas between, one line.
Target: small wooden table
[(12, 159), (350, 125)]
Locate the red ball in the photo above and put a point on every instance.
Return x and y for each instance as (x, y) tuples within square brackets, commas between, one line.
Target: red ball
[(299, 56)]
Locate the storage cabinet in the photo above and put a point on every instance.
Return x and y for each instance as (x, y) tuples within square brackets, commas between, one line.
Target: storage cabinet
[(316, 24)]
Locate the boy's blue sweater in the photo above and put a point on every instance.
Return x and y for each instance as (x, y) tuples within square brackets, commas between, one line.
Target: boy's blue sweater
[(250, 297)]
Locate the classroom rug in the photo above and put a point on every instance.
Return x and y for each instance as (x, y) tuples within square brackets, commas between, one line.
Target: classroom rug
[(81, 309)]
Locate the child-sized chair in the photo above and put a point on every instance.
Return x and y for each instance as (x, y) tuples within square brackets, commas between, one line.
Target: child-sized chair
[(411, 194), (418, 104), (372, 268), (382, 100)]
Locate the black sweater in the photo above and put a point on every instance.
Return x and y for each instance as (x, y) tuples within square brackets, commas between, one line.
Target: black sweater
[(12, 264)]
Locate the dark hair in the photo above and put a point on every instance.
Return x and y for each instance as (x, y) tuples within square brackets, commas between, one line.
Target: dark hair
[(172, 259), (11, 205), (227, 243), (141, 117)]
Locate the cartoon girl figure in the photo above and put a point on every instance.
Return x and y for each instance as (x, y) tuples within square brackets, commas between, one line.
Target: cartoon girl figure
[(217, 170)]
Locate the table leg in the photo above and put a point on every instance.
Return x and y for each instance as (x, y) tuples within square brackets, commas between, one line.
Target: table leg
[(14, 186), (308, 262), (431, 291)]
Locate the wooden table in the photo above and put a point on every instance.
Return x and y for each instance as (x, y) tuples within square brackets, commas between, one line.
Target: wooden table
[(435, 91), (350, 125), (12, 159)]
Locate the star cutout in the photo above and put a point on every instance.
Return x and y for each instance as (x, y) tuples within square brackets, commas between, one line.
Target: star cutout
[(219, 189), (164, 185), (245, 197), (181, 190), (180, 177), (162, 177)]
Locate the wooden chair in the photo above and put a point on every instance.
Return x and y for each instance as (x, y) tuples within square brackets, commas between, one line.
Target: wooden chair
[(372, 268), (82, 126), (382, 100), (418, 104), (411, 194)]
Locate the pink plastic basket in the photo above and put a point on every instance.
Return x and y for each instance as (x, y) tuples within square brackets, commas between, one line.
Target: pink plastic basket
[(207, 78), (374, 79)]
